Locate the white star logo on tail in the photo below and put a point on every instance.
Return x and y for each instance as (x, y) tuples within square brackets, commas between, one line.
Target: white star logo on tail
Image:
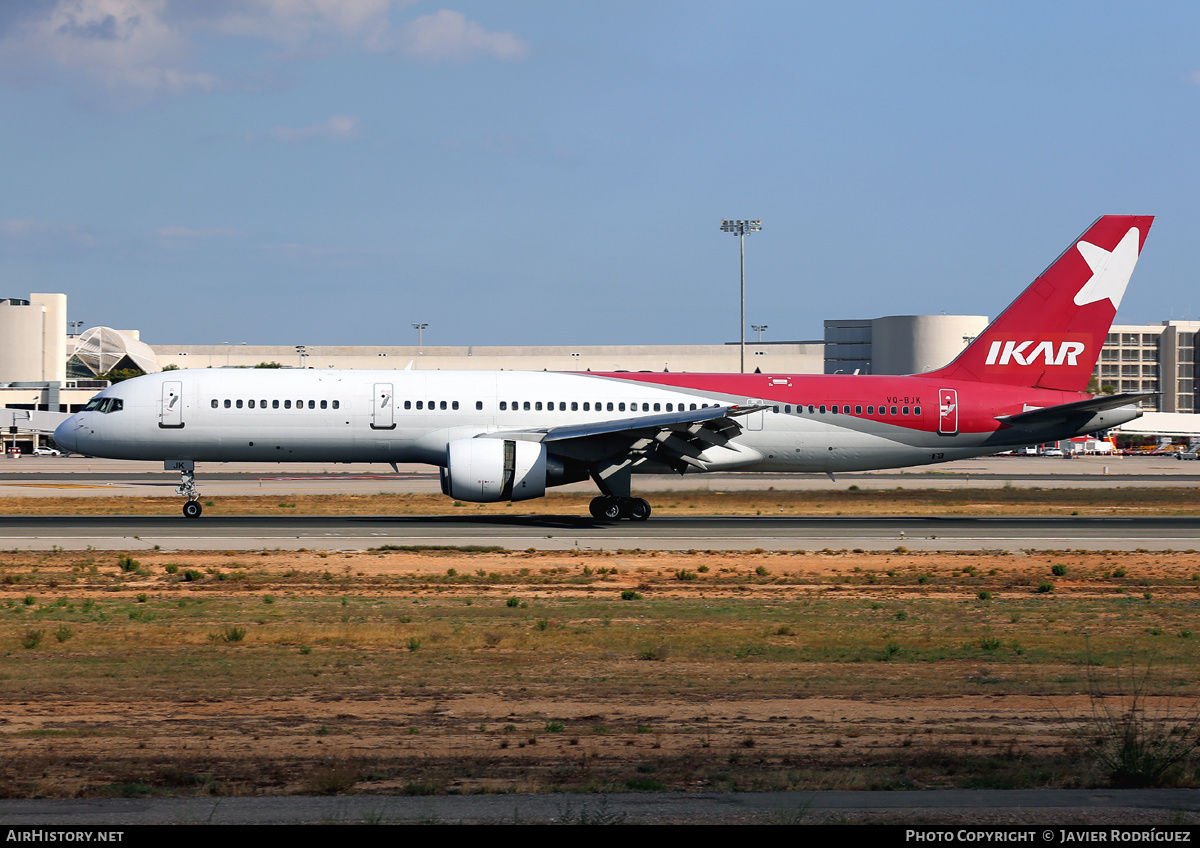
[(1110, 270)]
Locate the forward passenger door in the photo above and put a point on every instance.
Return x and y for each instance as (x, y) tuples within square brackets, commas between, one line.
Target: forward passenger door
[(383, 408)]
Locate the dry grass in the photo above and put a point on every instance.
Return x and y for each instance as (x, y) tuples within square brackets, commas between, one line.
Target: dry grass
[(384, 671), (848, 501)]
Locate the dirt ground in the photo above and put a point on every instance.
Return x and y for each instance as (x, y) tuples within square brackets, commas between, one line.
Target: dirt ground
[(727, 671)]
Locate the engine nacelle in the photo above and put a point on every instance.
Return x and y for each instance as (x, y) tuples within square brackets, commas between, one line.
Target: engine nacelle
[(490, 470)]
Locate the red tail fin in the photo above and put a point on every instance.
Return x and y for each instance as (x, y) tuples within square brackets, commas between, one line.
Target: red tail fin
[(1050, 336)]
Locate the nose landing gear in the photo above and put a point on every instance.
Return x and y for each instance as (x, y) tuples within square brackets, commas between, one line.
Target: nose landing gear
[(187, 489)]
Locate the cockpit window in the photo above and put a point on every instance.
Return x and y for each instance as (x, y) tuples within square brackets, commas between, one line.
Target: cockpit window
[(104, 405)]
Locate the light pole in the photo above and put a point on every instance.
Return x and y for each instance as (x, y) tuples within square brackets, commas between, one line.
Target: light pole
[(302, 351), (759, 328), (739, 229), (419, 327)]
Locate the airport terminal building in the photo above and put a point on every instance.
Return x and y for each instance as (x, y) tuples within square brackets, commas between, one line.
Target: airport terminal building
[(44, 369)]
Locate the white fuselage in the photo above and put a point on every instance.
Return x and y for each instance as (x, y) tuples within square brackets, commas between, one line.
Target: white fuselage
[(241, 415)]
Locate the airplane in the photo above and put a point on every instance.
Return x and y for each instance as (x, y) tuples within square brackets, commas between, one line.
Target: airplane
[(511, 435)]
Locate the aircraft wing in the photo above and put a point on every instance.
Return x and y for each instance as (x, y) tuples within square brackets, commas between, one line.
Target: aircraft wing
[(676, 439), (1078, 409)]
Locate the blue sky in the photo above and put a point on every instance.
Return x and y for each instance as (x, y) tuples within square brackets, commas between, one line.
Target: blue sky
[(330, 171)]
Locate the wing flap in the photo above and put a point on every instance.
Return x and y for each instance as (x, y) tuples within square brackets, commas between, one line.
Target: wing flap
[(675, 439)]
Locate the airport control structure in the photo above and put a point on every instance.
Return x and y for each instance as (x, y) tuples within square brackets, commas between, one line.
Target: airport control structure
[(44, 369)]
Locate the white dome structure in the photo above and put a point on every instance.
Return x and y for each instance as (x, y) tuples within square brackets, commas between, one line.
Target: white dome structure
[(102, 349)]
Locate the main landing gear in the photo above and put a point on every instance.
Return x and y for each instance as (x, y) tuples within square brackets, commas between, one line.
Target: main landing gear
[(187, 488), (610, 508)]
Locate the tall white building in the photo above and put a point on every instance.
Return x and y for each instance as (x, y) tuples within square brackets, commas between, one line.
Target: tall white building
[(33, 336)]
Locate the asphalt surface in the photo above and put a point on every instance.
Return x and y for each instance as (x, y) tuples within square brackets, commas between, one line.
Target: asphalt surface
[(1164, 807), (559, 532)]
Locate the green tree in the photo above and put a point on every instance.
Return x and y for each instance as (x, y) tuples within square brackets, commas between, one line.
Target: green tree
[(119, 375)]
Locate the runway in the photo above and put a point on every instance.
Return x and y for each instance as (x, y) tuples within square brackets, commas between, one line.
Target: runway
[(80, 476), (83, 477), (570, 532)]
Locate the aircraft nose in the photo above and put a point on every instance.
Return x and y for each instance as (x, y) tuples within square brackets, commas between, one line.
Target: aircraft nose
[(64, 434)]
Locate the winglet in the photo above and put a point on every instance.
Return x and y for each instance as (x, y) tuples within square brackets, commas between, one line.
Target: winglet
[(1050, 337)]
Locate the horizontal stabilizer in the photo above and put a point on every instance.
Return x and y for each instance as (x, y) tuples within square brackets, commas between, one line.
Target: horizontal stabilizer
[(1080, 408)]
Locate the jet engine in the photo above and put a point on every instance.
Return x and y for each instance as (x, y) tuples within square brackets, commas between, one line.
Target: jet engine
[(490, 470)]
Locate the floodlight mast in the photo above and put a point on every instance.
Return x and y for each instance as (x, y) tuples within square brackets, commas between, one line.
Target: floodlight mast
[(420, 326), (739, 229)]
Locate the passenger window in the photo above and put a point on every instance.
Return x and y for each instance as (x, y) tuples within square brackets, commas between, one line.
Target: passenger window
[(656, 407), (420, 404), (587, 406), (324, 404), (906, 410), (610, 406), (775, 409), (503, 406), (214, 403), (692, 407), (916, 410), (787, 409), (870, 410), (228, 403), (537, 405), (620, 407), (454, 405), (337, 404), (274, 404), (574, 406), (526, 406), (822, 409), (238, 404), (479, 404), (408, 404), (893, 410), (287, 404), (562, 406), (670, 407)]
